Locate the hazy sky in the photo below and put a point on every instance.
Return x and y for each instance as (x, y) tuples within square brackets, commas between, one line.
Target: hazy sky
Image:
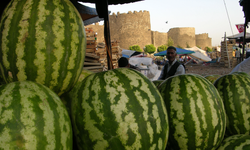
[(206, 16)]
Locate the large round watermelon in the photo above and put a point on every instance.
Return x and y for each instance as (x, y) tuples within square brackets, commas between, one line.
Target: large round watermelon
[(212, 78), (42, 41), (33, 117), (197, 118), (118, 109), (236, 142), (234, 89)]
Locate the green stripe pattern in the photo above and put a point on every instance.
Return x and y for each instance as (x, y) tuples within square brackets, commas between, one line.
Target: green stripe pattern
[(118, 109), (236, 142), (33, 117), (234, 89), (197, 118), (42, 41)]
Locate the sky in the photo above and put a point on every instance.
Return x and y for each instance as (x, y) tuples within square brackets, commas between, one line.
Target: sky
[(206, 16)]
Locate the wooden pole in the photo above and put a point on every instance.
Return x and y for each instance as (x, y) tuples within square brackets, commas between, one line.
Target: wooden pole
[(244, 39), (102, 10)]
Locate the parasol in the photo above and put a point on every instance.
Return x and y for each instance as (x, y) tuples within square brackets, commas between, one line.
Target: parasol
[(178, 51)]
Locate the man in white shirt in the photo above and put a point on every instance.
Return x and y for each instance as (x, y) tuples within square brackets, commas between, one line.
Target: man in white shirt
[(172, 67), (237, 55)]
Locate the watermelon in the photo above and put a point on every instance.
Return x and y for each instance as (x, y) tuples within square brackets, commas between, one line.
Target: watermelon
[(197, 118), (234, 89), (33, 117), (242, 73), (42, 41), (236, 142), (157, 82), (118, 109), (65, 97), (212, 78)]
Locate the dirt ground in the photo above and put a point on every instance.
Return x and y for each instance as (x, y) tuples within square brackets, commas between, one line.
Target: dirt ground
[(204, 70)]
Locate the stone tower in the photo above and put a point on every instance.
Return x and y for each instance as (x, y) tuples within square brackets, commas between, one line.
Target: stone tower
[(132, 28), (182, 36)]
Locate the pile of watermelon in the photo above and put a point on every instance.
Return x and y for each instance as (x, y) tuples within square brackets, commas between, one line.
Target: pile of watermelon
[(47, 101)]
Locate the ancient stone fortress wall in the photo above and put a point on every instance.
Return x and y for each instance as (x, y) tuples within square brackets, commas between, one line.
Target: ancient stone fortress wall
[(159, 38), (203, 41), (182, 36), (134, 28)]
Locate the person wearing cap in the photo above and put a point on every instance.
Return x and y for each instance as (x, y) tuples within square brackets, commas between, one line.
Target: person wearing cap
[(172, 67)]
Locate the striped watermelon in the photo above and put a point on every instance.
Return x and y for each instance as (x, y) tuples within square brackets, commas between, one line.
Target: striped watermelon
[(157, 82), (236, 142), (212, 78), (234, 89), (118, 109), (196, 113), (42, 41), (33, 117), (65, 97), (242, 73)]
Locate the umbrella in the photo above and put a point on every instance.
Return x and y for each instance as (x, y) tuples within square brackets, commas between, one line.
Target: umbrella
[(178, 51)]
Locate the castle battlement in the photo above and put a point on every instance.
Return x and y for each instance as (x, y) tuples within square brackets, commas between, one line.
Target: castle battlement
[(131, 13)]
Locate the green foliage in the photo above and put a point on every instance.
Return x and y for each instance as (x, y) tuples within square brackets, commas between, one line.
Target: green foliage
[(135, 48), (179, 46), (209, 49), (198, 46), (187, 45), (162, 48), (170, 42), (150, 49)]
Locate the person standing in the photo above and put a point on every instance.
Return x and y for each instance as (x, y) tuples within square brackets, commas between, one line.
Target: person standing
[(248, 52), (172, 67), (237, 55)]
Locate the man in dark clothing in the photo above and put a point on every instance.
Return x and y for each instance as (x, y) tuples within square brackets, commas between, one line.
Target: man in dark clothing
[(172, 67)]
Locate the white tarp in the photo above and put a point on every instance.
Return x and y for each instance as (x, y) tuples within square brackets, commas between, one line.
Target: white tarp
[(244, 66), (239, 35), (199, 54), (146, 65)]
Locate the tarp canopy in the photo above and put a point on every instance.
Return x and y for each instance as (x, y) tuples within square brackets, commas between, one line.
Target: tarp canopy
[(129, 53), (178, 51), (244, 66), (239, 36), (199, 54)]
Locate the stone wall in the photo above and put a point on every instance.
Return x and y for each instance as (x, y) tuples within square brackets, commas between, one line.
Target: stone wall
[(203, 41), (159, 38), (182, 36), (134, 28)]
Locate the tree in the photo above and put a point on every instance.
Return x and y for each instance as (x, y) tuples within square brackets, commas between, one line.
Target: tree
[(162, 48), (209, 49), (179, 46), (135, 48), (187, 45), (170, 42), (150, 48)]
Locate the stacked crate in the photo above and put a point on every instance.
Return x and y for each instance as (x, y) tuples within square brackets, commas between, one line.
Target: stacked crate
[(227, 54), (92, 61), (116, 53)]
